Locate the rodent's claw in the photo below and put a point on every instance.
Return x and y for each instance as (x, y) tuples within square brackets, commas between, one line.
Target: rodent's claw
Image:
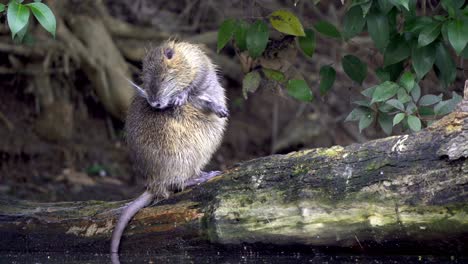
[(180, 99), (222, 112)]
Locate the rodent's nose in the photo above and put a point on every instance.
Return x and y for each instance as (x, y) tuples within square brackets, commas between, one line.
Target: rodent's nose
[(156, 104)]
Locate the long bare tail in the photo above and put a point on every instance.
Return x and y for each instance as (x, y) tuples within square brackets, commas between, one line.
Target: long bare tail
[(127, 214)]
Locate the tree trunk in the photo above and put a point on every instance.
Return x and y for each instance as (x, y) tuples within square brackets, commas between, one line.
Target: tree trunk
[(395, 193)]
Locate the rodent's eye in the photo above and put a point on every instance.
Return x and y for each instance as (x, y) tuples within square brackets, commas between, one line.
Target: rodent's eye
[(168, 52)]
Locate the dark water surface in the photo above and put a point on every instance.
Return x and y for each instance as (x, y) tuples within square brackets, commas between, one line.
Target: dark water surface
[(209, 257)]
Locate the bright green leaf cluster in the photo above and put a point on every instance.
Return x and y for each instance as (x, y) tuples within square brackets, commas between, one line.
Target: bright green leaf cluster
[(423, 43), (411, 45), (253, 38), (18, 17), (394, 103)]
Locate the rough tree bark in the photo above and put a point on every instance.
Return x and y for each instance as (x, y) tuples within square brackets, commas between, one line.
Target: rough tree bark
[(392, 193)]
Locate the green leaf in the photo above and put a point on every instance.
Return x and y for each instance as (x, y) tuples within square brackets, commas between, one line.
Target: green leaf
[(429, 34), (27, 39), (250, 83), (385, 91), (403, 3), (362, 103), (429, 99), (17, 16), (382, 74), (423, 59), (327, 78), (457, 3), (394, 70), (357, 112), (307, 43), (327, 29), (444, 31), (426, 111), (274, 75), (95, 169), (354, 68), (257, 38), (385, 6), (445, 64), (458, 35), (385, 108), (21, 35), (379, 30), (2, 7), (447, 106), (403, 96), (45, 16), (417, 24), (407, 81), (397, 50), (353, 23), (366, 8), (416, 92), (395, 103), (240, 34), (300, 90), (440, 18), (414, 123), (286, 22), (398, 118), (369, 91), (411, 108), (450, 7), (464, 53), (225, 32), (385, 122), (358, 3), (366, 120)]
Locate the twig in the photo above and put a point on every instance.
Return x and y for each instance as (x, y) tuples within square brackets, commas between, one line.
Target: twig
[(358, 241), (27, 71), (274, 127), (423, 7), (110, 128), (7, 122)]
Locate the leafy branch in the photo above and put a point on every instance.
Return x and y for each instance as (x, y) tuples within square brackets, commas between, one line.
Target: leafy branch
[(412, 45), (18, 17)]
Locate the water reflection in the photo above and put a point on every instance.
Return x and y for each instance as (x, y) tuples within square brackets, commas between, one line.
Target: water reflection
[(218, 257), (115, 258)]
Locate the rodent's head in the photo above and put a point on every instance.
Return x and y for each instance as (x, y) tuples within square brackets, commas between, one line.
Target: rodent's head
[(169, 69)]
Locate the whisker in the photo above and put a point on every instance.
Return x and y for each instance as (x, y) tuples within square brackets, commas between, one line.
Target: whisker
[(140, 91)]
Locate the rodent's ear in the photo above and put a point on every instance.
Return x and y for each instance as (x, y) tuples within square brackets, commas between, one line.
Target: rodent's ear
[(169, 53)]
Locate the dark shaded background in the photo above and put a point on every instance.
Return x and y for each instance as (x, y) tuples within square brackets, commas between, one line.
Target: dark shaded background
[(73, 149)]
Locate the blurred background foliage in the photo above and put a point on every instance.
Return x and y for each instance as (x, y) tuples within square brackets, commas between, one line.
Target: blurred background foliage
[(294, 71)]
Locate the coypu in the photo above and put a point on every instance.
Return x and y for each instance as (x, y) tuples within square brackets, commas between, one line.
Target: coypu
[(174, 124)]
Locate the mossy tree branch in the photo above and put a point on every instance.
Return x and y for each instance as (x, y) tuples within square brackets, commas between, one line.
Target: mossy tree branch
[(388, 193)]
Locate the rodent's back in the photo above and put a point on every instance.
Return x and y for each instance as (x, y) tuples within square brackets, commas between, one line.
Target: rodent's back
[(172, 145)]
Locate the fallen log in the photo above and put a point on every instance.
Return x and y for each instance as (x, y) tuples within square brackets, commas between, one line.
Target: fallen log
[(401, 192)]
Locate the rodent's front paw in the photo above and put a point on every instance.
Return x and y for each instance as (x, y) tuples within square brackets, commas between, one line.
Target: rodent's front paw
[(180, 99), (222, 112)]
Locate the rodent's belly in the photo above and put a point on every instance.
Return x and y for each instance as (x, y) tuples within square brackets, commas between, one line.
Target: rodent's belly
[(171, 148)]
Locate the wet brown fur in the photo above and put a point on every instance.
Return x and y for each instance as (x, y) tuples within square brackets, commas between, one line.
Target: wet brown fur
[(170, 146)]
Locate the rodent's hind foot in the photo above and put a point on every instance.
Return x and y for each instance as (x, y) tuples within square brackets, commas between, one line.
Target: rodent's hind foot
[(202, 177)]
